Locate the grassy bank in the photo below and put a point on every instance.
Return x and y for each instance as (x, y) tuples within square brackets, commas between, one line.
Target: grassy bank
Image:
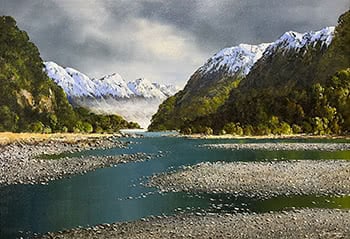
[(9, 137)]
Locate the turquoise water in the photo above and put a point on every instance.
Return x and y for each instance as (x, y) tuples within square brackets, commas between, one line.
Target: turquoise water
[(115, 194)]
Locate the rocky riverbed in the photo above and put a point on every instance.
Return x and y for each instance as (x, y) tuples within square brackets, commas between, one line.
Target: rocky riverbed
[(260, 179), (283, 146), (307, 223), (27, 162)]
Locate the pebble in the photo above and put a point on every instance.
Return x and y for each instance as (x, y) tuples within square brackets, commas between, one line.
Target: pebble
[(305, 223), (282, 146), (260, 179), (30, 163)]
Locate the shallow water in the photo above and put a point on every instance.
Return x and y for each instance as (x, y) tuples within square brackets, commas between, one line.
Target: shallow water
[(115, 194)]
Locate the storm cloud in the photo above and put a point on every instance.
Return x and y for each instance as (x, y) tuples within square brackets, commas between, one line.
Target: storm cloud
[(162, 40)]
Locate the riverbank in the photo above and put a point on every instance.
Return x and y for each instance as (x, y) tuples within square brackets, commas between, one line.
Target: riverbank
[(31, 138), (293, 136), (282, 146), (307, 223), (24, 158), (260, 179)]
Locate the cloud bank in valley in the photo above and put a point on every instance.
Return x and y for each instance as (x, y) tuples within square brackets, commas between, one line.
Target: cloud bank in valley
[(162, 40)]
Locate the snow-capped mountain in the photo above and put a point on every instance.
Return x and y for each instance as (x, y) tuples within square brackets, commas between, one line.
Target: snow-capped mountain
[(167, 90), (240, 59), (67, 79), (112, 85), (136, 100), (242, 66), (295, 40), (77, 84), (144, 88)]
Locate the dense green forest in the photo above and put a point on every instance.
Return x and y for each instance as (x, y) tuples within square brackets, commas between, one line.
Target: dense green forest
[(30, 101), (305, 91), (193, 102)]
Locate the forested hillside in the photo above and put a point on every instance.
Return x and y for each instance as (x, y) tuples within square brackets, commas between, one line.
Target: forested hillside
[(29, 100), (288, 90), (293, 92), (208, 88)]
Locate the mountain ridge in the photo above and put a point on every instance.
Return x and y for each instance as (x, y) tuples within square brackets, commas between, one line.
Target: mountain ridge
[(244, 56), (217, 82), (76, 84)]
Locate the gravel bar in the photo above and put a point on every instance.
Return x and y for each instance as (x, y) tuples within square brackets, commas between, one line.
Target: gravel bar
[(260, 179), (25, 163), (282, 146), (306, 223)]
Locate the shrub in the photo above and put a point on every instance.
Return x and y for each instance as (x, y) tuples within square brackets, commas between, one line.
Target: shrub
[(37, 127), (64, 129), (87, 127), (248, 130), (285, 128), (233, 128), (98, 129), (208, 131), (47, 130), (296, 129), (263, 129), (186, 130)]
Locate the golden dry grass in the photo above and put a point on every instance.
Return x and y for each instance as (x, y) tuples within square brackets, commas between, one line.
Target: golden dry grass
[(9, 137)]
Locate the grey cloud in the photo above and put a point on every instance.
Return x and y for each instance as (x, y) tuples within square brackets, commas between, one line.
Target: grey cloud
[(178, 13), (228, 23), (98, 37)]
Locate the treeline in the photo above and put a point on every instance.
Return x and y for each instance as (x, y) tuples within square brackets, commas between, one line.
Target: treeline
[(319, 109), (30, 101)]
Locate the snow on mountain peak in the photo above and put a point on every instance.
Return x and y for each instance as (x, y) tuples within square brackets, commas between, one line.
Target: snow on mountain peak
[(296, 40), (67, 79), (113, 78), (167, 90), (238, 59), (143, 87), (77, 84), (325, 35), (82, 80), (112, 85)]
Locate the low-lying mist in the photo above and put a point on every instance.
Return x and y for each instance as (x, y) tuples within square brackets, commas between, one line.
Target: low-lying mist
[(138, 110)]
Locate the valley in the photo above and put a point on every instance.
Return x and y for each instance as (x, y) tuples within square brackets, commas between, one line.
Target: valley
[(256, 145), (135, 101)]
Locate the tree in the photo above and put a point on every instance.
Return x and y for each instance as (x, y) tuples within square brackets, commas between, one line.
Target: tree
[(233, 128), (8, 119), (87, 127), (37, 127)]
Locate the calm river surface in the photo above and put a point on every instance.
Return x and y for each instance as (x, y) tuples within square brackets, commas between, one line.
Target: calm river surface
[(116, 195)]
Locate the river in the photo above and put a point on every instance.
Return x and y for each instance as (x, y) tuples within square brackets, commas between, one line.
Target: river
[(117, 194)]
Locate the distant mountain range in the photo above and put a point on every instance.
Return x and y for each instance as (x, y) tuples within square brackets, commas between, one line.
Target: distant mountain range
[(252, 85), (136, 100)]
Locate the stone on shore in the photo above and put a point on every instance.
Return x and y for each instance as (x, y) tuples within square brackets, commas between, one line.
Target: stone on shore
[(261, 179), (316, 223)]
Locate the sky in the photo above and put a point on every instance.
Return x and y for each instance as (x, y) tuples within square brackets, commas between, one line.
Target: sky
[(161, 40)]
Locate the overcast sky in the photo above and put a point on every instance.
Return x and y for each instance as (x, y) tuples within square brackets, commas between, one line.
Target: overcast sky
[(161, 40)]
